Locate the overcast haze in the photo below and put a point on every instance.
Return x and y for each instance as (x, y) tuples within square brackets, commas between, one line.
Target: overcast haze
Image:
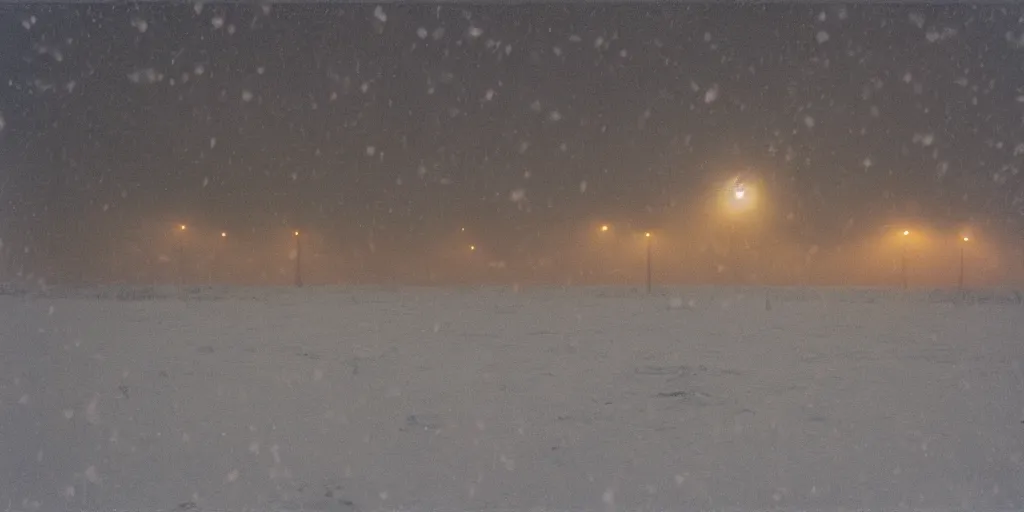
[(383, 130)]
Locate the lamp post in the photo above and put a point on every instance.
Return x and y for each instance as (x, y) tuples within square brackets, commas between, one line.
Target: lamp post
[(903, 259), (960, 284), (181, 254), (738, 200), (298, 261), (215, 267), (647, 235)]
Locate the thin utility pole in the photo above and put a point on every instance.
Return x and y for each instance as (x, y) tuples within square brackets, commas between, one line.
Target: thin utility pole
[(298, 261)]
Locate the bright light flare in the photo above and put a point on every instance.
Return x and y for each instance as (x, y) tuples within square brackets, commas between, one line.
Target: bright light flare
[(906, 232), (967, 239), (604, 228), (182, 227), (296, 233), (223, 234), (738, 196), (647, 234), (472, 247)]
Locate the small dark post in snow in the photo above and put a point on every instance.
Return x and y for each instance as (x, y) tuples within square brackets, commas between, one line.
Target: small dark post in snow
[(298, 261)]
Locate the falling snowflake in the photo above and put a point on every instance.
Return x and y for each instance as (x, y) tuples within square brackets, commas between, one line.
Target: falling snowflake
[(535, 106), (475, 32), (199, 69), (917, 19), (438, 33), (821, 37), (711, 94), (371, 150), (217, 22), (517, 195), (2, 123), (260, 70), (583, 187), (934, 35), (140, 24), (145, 76), (380, 14), (809, 121), (213, 142), (246, 96), (489, 95), (925, 139), (555, 116), (421, 33)]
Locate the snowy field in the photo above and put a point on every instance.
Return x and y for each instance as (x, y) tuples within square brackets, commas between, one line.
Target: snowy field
[(444, 399)]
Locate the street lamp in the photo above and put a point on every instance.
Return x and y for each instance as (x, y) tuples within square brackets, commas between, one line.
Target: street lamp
[(181, 254), (737, 199), (903, 258), (298, 261), (962, 246), (604, 228), (647, 236)]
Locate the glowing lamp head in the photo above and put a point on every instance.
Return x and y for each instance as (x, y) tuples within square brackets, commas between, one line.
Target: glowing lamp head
[(604, 228), (966, 239), (223, 234), (296, 233), (647, 234), (906, 232), (182, 227), (472, 247)]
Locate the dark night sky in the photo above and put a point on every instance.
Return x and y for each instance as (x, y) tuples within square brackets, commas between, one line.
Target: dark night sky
[(415, 119)]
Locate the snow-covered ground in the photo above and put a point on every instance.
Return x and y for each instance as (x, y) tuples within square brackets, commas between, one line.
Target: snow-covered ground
[(485, 399)]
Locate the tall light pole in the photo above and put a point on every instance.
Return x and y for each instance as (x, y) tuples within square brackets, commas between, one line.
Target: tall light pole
[(181, 254), (217, 257), (903, 259), (960, 284), (647, 235), (298, 261)]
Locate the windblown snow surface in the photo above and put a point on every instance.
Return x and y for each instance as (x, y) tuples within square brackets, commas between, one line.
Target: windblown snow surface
[(435, 399)]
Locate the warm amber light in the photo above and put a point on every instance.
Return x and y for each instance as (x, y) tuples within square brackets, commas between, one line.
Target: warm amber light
[(967, 239), (472, 247), (604, 227), (223, 234), (182, 227), (906, 232), (296, 233), (647, 234)]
